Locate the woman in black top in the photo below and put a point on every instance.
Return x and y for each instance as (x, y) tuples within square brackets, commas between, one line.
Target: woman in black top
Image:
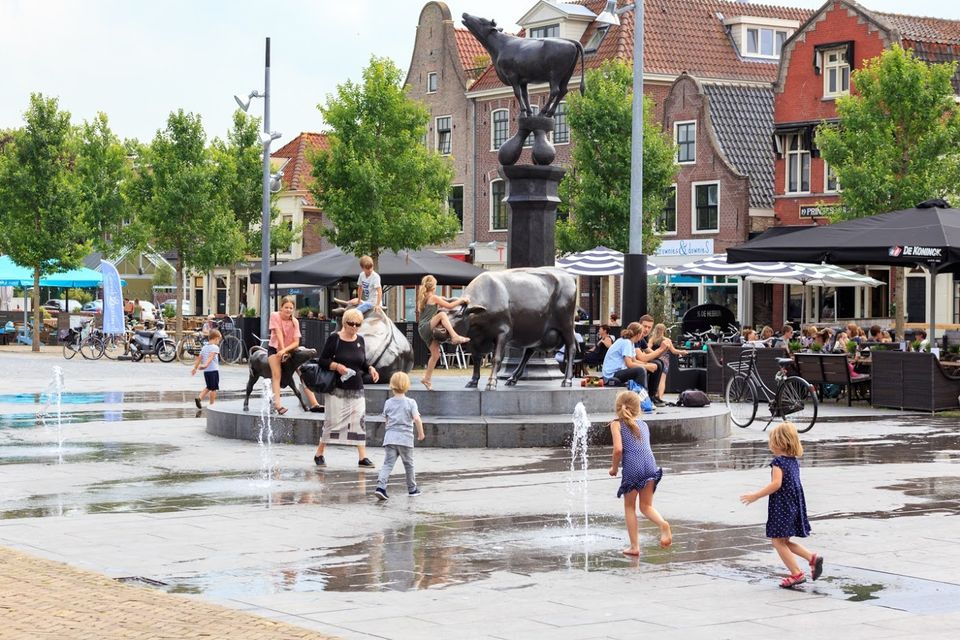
[(604, 340), (345, 408)]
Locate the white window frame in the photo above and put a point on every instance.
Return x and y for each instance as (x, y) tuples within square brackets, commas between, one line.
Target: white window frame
[(493, 140), (463, 201), (676, 140), (837, 66), (801, 154), (503, 204), (544, 28), (436, 135), (693, 207), (556, 116), (675, 213), (432, 75), (826, 180), (761, 31)]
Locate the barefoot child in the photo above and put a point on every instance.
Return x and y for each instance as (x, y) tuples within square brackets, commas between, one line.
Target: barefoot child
[(631, 443), (786, 508), (209, 362), (431, 309), (402, 414)]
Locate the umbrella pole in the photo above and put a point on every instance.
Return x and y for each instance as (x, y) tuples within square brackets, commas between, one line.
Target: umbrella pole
[(933, 305)]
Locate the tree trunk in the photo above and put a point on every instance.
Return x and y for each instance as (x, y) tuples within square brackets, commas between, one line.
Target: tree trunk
[(37, 311), (900, 276), (179, 322)]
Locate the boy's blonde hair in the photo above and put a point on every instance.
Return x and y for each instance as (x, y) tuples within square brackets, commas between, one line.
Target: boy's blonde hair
[(214, 335), (366, 262), (399, 382), (628, 410), (785, 439)]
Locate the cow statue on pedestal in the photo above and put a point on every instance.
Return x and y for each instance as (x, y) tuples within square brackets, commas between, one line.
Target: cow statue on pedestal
[(530, 308)]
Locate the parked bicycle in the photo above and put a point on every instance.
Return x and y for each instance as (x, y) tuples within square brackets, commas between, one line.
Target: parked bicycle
[(793, 399), (231, 347), (81, 340)]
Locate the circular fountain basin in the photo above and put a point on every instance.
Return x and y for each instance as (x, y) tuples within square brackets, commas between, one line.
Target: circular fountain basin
[(531, 414)]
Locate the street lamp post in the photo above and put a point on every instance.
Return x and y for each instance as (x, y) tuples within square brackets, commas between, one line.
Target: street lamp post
[(265, 139)]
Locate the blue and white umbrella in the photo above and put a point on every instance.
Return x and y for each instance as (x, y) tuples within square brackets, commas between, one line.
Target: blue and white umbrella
[(600, 261)]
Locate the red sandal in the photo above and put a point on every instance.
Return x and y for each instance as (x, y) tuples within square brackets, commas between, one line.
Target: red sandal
[(816, 566), (793, 581)]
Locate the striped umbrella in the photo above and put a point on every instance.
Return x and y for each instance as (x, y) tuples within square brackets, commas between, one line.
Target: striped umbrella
[(755, 271), (600, 261)]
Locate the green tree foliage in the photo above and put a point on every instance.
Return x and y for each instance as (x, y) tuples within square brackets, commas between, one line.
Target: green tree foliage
[(596, 191), (163, 276), (179, 198), (41, 216), (897, 142), (103, 169), (378, 183)]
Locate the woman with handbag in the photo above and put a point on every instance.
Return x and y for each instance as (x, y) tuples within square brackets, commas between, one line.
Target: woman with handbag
[(345, 406)]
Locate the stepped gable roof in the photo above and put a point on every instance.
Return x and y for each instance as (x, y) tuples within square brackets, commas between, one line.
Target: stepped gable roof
[(297, 171), (680, 35), (742, 119), (470, 51)]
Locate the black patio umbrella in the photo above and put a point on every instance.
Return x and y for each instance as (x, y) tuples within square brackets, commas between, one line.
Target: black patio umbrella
[(927, 235), (327, 268)]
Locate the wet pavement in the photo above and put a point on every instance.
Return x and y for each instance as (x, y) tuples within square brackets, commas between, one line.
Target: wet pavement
[(496, 547)]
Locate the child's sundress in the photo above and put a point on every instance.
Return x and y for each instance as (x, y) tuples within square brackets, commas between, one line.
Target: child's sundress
[(786, 507), (639, 465)]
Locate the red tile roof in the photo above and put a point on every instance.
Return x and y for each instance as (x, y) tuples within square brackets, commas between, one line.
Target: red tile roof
[(922, 29), (297, 172), (680, 35), (471, 51)]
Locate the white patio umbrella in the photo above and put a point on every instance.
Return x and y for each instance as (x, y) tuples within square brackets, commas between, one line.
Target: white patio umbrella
[(599, 261)]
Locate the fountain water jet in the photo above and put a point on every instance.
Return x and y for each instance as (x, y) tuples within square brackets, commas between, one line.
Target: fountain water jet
[(54, 393), (265, 437), (577, 484)]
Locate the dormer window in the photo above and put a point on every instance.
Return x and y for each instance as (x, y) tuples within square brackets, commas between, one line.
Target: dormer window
[(765, 43), (545, 31), (760, 37), (594, 43)]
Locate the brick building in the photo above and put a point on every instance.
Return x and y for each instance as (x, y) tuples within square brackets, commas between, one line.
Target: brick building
[(816, 68)]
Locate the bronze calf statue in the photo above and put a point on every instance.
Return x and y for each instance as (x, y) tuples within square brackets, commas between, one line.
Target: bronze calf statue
[(260, 368)]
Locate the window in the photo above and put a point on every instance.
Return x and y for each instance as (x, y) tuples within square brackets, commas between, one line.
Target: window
[(534, 110), (444, 135), (498, 209), (798, 165), (667, 225), (500, 129), (561, 130), (594, 43), (455, 202), (836, 73), (766, 43), (546, 31), (431, 82), (830, 182), (706, 198), (685, 136)]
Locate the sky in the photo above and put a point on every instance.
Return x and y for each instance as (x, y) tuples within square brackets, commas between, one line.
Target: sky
[(138, 60)]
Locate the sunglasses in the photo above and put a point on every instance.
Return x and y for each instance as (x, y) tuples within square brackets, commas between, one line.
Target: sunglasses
[(354, 324)]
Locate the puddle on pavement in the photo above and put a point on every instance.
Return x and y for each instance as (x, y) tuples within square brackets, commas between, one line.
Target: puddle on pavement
[(448, 552), (112, 397), (941, 496), (905, 593), (26, 420), (31, 453)]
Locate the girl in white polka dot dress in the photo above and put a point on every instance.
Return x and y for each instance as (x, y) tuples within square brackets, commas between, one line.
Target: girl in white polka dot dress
[(786, 508)]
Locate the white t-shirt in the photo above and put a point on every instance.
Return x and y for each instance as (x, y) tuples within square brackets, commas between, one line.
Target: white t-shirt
[(368, 286)]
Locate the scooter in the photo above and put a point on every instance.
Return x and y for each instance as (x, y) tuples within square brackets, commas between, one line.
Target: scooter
[(152, 343)]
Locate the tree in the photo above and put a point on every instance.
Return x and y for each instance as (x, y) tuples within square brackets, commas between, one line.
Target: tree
[(239, 163), (102, 169), (378, 183), (596, 190), (181, 202), (897, 140), (40, 205)]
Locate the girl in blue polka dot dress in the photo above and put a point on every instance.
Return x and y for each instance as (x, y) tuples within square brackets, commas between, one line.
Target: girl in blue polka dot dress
[(631, 443), (786, 508)]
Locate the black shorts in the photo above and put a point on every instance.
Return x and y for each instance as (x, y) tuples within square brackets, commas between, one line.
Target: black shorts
[(271, 351), (212, 378)]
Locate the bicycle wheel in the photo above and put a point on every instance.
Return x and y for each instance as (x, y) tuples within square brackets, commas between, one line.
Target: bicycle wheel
[(69, 349), (231, 350), (91, 348), (113, 347), (741, 397), (167, 351), (796, 402), (187, 350)]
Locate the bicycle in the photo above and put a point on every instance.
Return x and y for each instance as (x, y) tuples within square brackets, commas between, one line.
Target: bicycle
[(81, 341), (231, 346), (794, 398)]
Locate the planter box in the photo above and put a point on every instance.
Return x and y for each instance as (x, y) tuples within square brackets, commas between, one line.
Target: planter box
[(912, 381)]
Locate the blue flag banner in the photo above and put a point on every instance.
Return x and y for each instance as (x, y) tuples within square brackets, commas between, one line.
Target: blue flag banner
[(112, 299)]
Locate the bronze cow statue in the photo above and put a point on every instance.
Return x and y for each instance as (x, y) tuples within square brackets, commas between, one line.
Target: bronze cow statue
[(522, 61), (260, 368), (530, 308)]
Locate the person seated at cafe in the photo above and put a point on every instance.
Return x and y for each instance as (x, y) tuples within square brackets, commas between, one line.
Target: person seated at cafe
[(614, 319), (885, 336), (876, 332), (561, 354), (808, 335), (210, 324), (750, 339), (853, 332), (786, 335), (840, 343), (766, 335), (921, 335), (311, 315), (594, 356)]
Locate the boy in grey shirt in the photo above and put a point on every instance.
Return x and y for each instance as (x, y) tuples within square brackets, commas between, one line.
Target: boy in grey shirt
[(369, 290), (402, 415)]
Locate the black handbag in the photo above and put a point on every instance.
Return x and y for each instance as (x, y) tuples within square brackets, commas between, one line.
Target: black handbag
[(319, 380), (326, 381)]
